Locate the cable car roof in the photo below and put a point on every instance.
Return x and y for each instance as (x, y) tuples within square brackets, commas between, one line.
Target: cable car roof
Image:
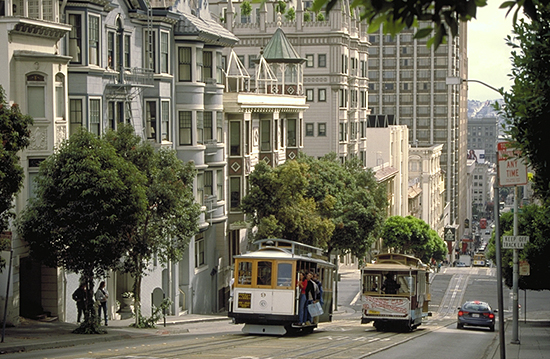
[(278, 253)]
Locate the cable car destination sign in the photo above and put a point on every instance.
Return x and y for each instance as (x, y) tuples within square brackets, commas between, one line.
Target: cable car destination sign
[(514, 242)]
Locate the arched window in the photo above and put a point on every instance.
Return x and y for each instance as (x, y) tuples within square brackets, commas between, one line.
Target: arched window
[(36, 100)]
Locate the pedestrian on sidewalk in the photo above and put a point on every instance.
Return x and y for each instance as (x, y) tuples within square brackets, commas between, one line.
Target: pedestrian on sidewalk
[(79, 296), (101, 296)]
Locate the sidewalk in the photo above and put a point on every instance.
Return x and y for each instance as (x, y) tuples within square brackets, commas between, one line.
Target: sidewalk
[(36, 335), (534, 337)]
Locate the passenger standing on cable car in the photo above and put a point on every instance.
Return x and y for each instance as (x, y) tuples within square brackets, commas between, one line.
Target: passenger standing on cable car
[(302, 284), (310, 295)]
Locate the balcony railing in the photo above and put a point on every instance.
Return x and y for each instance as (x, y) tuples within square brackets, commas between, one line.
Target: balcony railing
[(135, 76)]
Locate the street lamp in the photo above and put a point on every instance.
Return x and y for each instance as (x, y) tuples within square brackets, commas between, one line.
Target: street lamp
[(458, 81)]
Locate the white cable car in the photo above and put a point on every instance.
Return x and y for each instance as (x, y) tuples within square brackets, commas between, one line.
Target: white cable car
[(395, 292), (265, 294)]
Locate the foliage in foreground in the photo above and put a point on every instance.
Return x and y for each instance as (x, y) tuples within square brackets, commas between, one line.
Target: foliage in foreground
[(528, 103), (14, 137), (442, 15), (533, 221)]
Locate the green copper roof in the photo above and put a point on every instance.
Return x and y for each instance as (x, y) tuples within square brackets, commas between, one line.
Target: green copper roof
[(279, 49)]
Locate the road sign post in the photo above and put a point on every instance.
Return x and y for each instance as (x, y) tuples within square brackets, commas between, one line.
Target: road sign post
[(512, 171)]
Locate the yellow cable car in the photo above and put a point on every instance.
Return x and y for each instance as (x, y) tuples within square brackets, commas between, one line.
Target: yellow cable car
[(265, 291)]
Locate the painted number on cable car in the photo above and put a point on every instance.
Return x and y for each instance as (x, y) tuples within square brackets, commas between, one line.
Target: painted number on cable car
[(244, 300)]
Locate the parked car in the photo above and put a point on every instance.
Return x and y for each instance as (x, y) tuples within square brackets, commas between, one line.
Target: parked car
[(487, 232), (461, 264), (476, 313)]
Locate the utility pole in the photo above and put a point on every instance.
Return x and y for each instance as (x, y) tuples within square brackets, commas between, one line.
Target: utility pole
[(496, 204), (515, 277)]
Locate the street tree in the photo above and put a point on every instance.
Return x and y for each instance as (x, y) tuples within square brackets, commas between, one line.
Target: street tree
[(87, 199), (279, 207), (411, 235), (527, 105), (14, 135), (443, 15), (533, 221), (350, 196), (171, 215), (317, 202)]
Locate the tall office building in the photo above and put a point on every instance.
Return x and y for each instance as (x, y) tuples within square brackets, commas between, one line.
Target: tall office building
[(407, 79)]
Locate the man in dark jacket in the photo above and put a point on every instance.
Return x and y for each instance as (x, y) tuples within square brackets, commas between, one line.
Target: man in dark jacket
[(79, 296)]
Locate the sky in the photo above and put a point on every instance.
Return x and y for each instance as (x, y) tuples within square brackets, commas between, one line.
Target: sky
[(488, 54)]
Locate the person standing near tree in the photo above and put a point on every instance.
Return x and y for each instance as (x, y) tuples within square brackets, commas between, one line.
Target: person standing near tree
[(101, 296), (79, 296)]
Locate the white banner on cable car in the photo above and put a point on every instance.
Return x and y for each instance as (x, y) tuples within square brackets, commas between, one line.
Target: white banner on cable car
[(377, 306)]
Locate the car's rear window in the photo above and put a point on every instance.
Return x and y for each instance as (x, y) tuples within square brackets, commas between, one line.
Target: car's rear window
[(476, 306)]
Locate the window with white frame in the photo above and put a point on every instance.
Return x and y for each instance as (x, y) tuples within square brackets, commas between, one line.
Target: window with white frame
[(184, 64), (207, 72), (185, 127), (127, 39), (75, 115), (199, 64), (200, 127), (310, 95), (111, 51), (200, 188), (310, 129), (150, 50), (322, 95), (310, 60), (342, 132), (151, 120), (94, 48), (207, 117), (95, 116), (164, 52), (291, 132), (60, 96), (208, 183), (321, 60), (199, 250), (36, 96), (75, 38), (322, 129), (219, 185), (219, 126), (219, 68), (165, 120)]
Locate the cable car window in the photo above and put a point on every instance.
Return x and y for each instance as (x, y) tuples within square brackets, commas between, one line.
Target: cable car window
[(406, 284), (284, 274), (264, 273), (371, 283), (245, 273)]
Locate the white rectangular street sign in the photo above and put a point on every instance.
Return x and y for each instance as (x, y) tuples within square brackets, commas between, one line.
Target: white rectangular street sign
[(514, 242), (512, 171)]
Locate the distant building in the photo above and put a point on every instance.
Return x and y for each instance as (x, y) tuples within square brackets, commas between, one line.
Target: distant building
[(482, 136), (425, 172), (407, 79), (388, 157)]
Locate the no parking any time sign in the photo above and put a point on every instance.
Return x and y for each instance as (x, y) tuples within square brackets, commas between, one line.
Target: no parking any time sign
[(512, 171)]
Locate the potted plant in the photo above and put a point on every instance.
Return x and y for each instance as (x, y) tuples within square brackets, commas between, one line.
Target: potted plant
[(127, 299)]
